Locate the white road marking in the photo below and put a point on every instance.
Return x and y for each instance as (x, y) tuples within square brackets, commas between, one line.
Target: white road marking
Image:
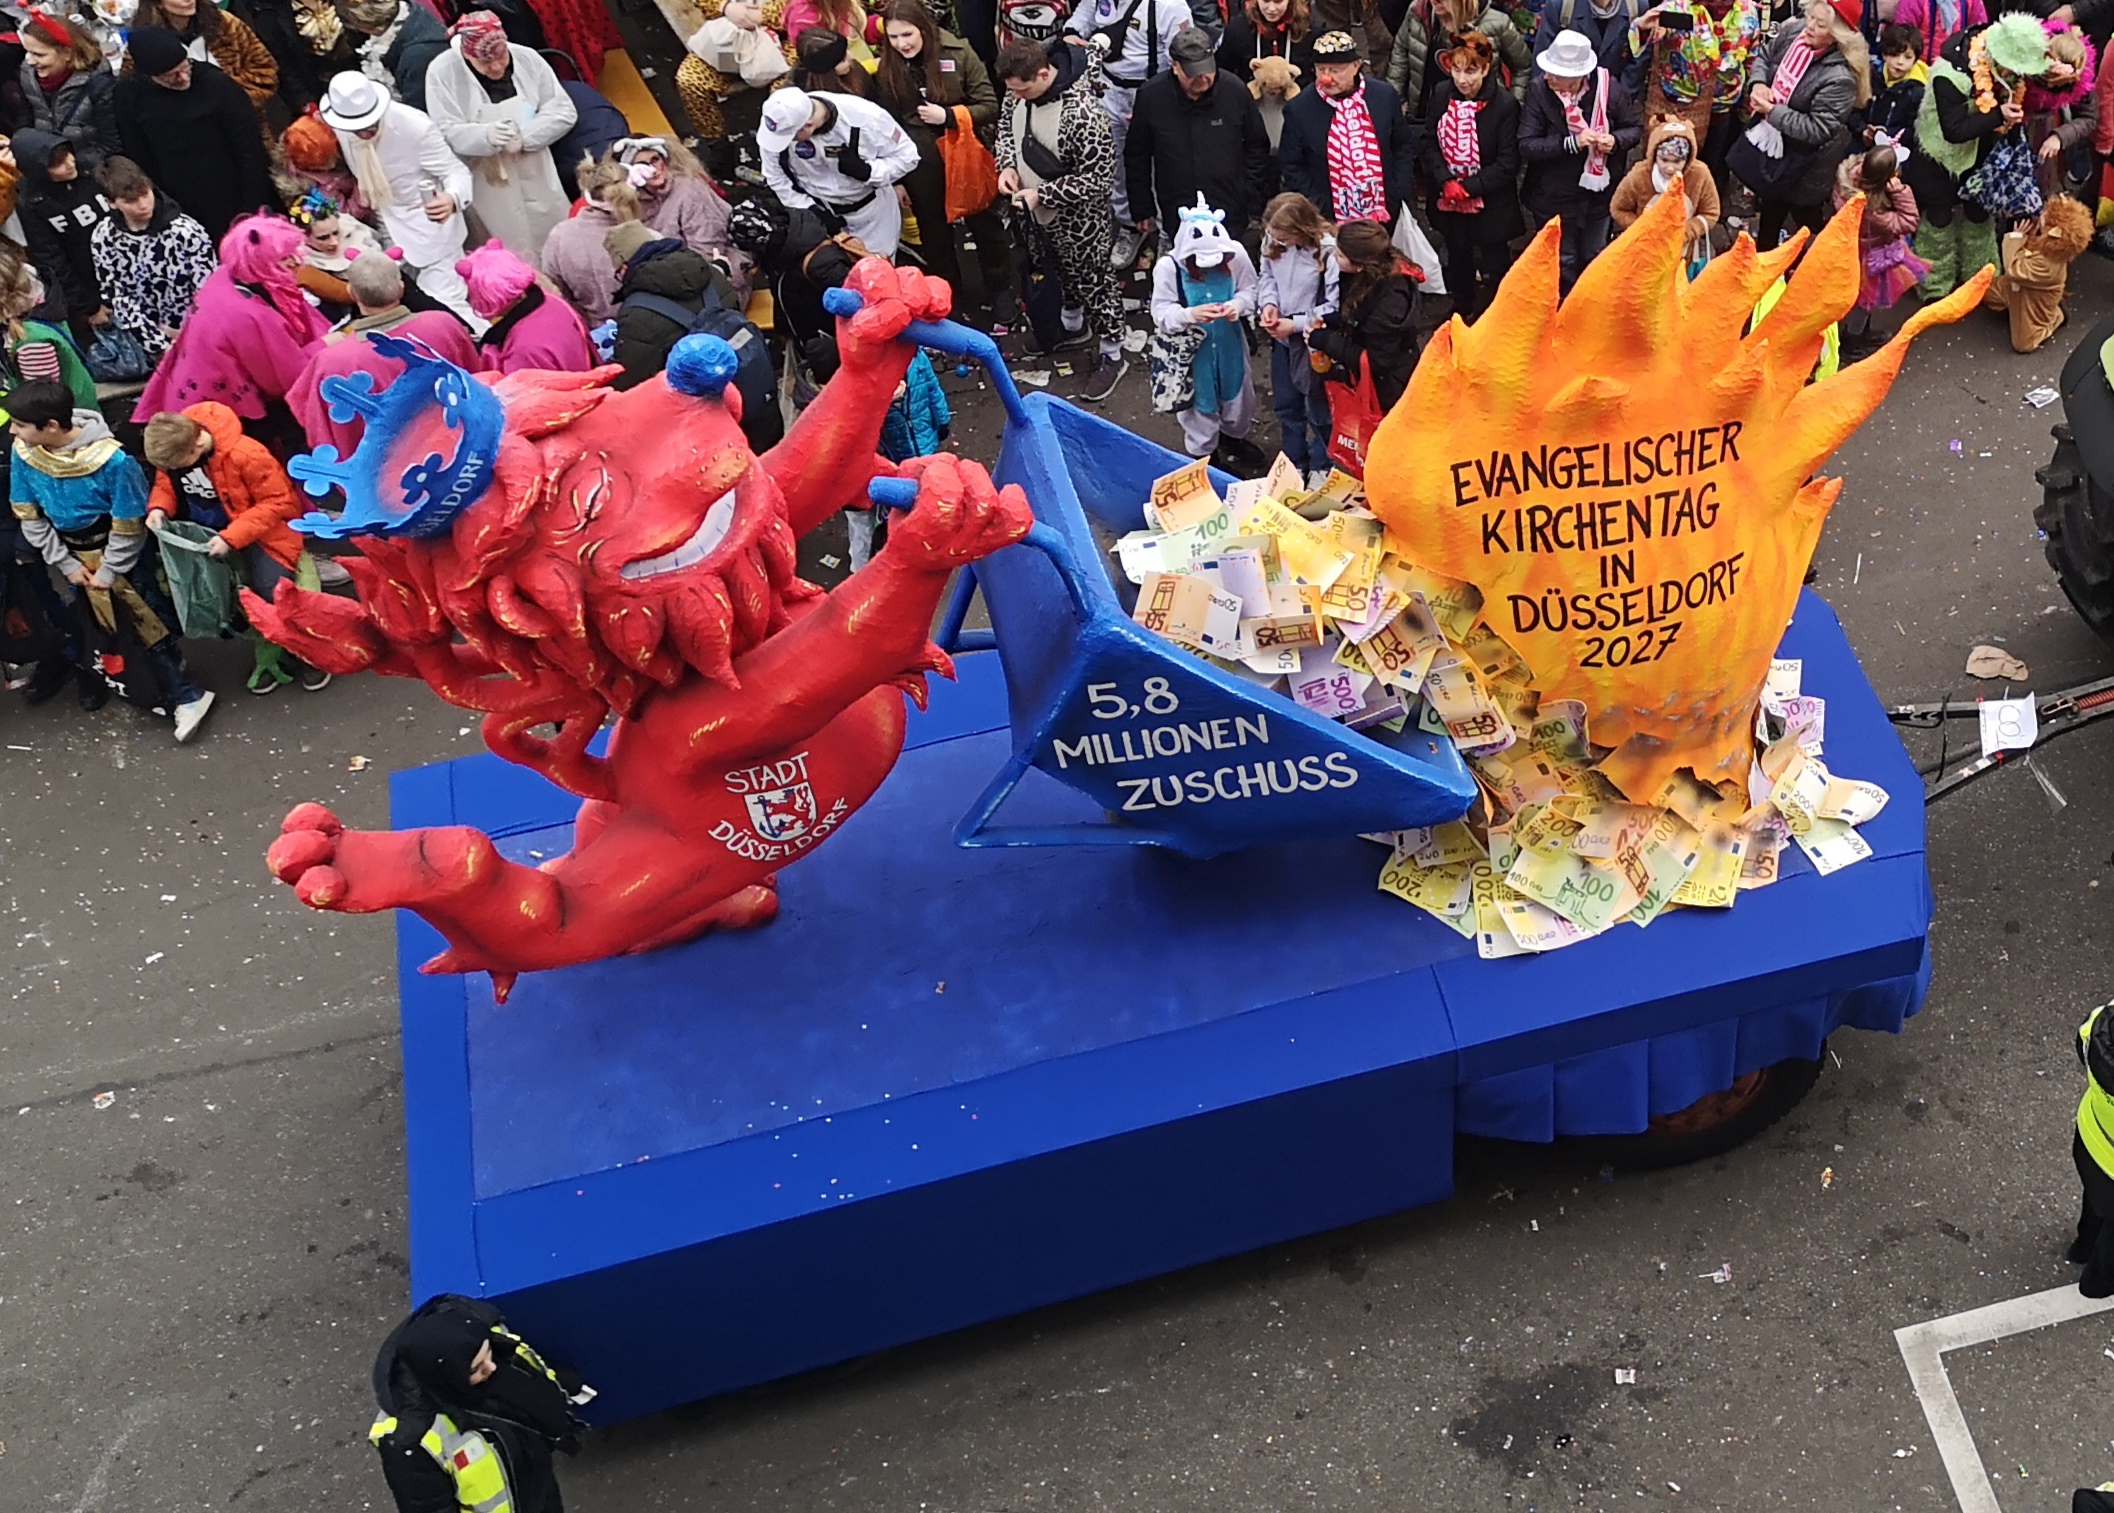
[(138, 1417), (1923, 1348)]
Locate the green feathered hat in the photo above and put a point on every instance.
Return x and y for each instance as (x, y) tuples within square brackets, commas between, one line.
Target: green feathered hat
[(2016, 45)]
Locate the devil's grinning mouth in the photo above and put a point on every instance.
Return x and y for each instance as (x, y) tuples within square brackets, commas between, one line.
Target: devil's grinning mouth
[(703, 541)]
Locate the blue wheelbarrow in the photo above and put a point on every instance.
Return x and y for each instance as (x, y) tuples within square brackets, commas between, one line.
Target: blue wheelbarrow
[(1178, 753)]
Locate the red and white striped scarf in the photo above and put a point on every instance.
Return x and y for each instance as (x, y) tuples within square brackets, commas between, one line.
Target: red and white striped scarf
[(1596, 168), (1357, 179), (1791, 68), (1461, 146)]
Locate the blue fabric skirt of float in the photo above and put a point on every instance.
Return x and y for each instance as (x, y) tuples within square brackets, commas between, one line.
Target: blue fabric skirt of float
[(947, 1085)]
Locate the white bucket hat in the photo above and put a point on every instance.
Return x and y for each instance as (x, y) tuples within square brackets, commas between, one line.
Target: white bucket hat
[(1570, 56), (353, 102), (784, 114)]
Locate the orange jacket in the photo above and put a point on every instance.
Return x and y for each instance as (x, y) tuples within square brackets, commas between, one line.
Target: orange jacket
[(253, 487)]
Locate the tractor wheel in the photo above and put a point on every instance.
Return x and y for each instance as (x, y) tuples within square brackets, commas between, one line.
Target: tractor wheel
[(2077, 516), (1710, 1126)]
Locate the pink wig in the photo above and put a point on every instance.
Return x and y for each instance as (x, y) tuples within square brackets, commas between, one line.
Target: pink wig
[(256, 251), (2040, 101), (496, 278)]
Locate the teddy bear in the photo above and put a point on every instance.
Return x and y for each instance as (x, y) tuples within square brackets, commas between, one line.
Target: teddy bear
[(1275, 78)]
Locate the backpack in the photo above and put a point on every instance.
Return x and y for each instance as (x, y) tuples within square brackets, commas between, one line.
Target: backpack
[(756, 378)]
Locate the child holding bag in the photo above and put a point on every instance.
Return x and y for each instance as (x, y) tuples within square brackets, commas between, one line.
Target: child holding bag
[(1202, 290)]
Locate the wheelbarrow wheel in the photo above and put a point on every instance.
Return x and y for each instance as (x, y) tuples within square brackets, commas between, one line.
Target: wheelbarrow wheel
[(1710, 1126), (2076, 514)]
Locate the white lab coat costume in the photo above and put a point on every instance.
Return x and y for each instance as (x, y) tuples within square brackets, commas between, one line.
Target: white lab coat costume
[(882, 143), (404, 166), (515, 190)]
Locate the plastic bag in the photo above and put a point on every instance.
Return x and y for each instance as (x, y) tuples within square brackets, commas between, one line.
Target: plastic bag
[(1412, 243), (202, 585)]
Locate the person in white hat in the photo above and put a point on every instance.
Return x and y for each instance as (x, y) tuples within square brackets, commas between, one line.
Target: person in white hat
[(1576, 129), (839, 154), (406, 172)]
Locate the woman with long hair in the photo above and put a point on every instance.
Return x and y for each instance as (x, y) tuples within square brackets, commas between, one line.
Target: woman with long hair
[(1801, 90), (66, 90), (1376, 313), (575, 254), (213, 36), (677, 198), (249, 335), (847, 18), (822, 63), (932, 83), (1269, 29)]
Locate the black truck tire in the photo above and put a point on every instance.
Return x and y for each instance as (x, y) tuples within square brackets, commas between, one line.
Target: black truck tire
[(1711, 1125), (2076, 512)]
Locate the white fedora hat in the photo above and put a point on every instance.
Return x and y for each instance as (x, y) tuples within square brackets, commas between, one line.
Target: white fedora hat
[(1570, 56), (353, 102)]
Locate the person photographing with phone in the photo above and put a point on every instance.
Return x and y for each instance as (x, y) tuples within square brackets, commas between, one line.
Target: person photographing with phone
[(1695, 68)]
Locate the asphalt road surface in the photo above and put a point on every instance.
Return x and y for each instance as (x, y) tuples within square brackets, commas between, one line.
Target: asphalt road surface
[(194, 1277)]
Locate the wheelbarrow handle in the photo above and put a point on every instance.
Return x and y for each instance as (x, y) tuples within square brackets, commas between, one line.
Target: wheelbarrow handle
[(951, 337), (902, 493)]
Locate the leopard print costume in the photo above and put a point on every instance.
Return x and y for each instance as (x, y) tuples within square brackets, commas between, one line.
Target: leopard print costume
[(705, 90)]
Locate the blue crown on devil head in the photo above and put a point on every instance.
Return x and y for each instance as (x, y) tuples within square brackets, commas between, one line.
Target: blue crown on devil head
[(428, 451)]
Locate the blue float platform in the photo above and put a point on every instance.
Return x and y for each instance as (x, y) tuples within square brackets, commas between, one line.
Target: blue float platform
[(949, 1085)]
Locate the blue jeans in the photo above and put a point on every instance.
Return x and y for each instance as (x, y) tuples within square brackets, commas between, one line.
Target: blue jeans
[(1302, 419), (1585, 233)]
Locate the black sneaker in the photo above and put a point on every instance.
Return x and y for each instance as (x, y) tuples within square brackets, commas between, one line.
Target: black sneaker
[(1103, 380), (1072, 341), (313, 678), (48, 678), (94, 692)]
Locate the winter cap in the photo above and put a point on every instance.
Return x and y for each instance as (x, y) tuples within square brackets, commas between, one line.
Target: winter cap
[(155, 50), (626, 238), (353, 102), (481, 37), (1193, 50), (1851, 11), (820, 50), (785, 114), (1336, 47), (1570, 56), (2015, 43)]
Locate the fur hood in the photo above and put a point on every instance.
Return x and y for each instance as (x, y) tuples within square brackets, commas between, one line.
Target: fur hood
[(2065, 229)]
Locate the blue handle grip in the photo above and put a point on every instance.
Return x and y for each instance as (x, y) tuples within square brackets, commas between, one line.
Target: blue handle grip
[(951, 337)]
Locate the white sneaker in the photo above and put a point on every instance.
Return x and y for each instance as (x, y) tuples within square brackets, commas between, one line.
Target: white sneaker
[(1316, 478), (190, 716)]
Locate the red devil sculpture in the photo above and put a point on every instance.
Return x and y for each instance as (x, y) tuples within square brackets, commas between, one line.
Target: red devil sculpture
[(586, 553)]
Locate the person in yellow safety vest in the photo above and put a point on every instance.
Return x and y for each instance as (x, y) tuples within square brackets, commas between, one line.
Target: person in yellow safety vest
[(470, 1415), (2093, 1149)]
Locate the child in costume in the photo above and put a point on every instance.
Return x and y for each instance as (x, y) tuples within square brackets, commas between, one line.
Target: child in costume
[(2037, 259), (82, 503), (1670, 159), (917, 424), (1295, 291), (1972, 160), (1202, 292), (1891, 268), (330, 240), (209, 473)]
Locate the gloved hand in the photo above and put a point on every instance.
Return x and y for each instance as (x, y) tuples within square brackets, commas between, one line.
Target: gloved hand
[(1453, 196), (853, 166)]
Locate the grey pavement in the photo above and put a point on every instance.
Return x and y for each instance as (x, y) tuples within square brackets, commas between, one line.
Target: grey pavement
[(195, 1276)]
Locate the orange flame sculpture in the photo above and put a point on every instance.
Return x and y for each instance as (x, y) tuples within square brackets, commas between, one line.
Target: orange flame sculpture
[(1628, 475)]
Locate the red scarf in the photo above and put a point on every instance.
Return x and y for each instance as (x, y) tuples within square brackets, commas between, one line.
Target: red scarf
[(1462, 147), (1357, 179)]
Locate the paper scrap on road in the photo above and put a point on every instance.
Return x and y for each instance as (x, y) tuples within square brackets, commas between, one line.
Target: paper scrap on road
[(1995, 662), (2009, 725)]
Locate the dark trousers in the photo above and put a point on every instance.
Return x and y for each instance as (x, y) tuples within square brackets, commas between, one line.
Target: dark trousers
[(1771, 216), (2085, 1500), (927, 187), (1585, 234), (2095, 1224), (1302, 419), (1473, 262)]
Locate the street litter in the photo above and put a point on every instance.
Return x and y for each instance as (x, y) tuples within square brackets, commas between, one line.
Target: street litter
[(155, 956), (1625, 1376), (358, 764), (104, 1100), (1995, 662), (1827, 1177), (1721, 1276), (2042, 397), (1903, 1454), (1034, 378), (2009, 725)]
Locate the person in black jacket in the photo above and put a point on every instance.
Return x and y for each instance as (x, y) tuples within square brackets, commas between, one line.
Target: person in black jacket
[(1470, 157), (1576, 131), (1375, 316), (407, 36), (1263, 29), (468, 1414), (60, 208), (1369, 113), (193, 130), (1194, 131)]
